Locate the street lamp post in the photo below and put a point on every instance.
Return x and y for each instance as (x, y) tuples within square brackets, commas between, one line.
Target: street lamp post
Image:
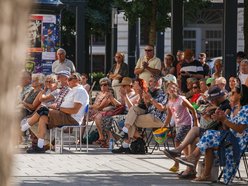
[(114, 33)]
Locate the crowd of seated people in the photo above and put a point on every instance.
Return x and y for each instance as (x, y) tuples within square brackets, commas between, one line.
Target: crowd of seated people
[(200, 104)]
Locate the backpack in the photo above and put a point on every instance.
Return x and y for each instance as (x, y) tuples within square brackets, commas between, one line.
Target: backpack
[(93, 136), (138, 146)]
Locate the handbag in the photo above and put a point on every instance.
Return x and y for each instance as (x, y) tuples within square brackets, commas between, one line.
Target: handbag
[(116, 111)]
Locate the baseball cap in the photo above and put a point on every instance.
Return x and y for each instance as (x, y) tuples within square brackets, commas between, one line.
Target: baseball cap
[(63, 73), (215, 92)]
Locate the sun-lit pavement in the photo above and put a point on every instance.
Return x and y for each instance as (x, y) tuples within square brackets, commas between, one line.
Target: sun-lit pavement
[(98, 167)]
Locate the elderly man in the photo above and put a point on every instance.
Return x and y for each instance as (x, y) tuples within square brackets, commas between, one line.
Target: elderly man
[(138, 116), (62, 63), (148, 65), (71, 111)]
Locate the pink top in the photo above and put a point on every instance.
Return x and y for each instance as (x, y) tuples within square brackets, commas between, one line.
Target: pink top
[(180, 114)]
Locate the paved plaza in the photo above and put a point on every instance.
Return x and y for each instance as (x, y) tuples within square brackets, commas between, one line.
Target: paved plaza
[(97, 167)]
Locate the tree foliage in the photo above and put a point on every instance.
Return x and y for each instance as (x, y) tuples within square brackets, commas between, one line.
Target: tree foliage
[(155, 13)]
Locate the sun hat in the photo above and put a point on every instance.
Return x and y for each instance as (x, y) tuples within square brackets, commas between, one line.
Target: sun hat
[(126, 81), (169, 78)]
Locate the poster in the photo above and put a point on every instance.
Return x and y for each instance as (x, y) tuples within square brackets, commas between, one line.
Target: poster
[(43, 38)]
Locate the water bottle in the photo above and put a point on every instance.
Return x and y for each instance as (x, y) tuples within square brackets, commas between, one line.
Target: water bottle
[(111, 144), (57, 146)]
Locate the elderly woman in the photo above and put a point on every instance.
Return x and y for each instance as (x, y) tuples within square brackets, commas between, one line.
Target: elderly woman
[(211, 140), (50, 88), (31, 101), (117, 72), (101, 105)]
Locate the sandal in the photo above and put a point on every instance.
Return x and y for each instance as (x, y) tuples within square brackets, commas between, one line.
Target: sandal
[(202, 179), (174, 169), (189, 175), (99, 142)]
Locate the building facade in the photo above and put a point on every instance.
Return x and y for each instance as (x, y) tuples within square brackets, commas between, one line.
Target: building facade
[(203, 32)]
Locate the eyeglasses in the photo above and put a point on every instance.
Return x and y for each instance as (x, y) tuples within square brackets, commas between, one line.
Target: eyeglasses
[(48, 81), (104, 84), (148, 50)]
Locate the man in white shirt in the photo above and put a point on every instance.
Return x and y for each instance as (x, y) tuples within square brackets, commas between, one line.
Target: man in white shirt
[(62, 63), (71, 111)]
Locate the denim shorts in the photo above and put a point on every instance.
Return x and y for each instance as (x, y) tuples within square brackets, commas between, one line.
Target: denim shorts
[(181, 132)]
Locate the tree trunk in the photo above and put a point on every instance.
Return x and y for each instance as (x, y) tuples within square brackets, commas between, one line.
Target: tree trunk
[(13, 19), (246, 26), (153, 26)]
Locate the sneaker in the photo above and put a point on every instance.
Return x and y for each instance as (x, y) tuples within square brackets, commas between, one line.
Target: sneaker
[(35, 149), (121, 150), (122, 135), (172, 154), (189, 161), (24, 121)]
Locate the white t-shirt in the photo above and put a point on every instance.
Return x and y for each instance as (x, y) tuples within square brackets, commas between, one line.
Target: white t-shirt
[(76, 95)]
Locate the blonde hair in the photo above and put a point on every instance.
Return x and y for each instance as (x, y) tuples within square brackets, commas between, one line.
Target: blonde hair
[(38, 76), (53, 77)]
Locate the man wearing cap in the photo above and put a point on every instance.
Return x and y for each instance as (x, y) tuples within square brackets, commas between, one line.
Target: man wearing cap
[(152, 117), (190, 68), (62, 63), (71, 111), (57, 96), (148, 65)]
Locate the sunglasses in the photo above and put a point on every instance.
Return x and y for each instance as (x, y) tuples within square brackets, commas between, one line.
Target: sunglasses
[(104, 84), (195, 87), (148, 50)]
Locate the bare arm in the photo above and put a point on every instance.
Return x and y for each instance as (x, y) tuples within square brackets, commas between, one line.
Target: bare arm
[(220, 116), (73, 110), (168, 118), (187, 104)]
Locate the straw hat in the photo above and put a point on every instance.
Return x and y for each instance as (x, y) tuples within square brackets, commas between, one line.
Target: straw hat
[(126, 81)]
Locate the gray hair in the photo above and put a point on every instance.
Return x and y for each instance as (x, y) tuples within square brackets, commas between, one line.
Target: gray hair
[(61, 50), (53, 77), (105, 79), (39, 76)]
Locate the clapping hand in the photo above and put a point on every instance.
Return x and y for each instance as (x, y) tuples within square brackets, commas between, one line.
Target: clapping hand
[(145, 64), (219, 115)]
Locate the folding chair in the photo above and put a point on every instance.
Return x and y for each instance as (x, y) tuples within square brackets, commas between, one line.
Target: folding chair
[(59, 142), (242, 157)]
